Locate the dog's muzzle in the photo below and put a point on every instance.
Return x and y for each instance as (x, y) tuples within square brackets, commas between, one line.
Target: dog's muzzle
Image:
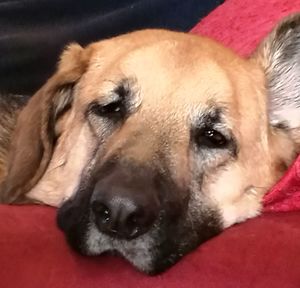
[(136, 211)]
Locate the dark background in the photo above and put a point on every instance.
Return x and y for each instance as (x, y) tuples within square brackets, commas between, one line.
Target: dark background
[(34, 32)]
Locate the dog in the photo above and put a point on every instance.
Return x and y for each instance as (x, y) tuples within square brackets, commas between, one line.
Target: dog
[(152, 142)]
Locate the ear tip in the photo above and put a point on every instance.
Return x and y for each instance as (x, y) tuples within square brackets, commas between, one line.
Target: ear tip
[(286, 26), (279, 55), (71, 55), (73, 46), (292, 20)]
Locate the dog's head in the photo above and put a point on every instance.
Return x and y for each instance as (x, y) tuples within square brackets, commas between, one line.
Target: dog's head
[(155, 141)]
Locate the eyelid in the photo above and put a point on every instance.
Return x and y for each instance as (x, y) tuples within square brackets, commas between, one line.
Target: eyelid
[(108, 99), (223, 129)]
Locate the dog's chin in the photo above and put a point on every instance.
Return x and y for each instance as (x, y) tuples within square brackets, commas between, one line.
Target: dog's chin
[(155, 251)]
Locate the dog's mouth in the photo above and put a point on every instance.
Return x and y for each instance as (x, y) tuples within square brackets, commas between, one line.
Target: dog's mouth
[(166, 242)]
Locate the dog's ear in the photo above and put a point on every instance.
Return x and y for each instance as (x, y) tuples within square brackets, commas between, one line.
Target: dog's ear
[(35, 134), (279, 55)]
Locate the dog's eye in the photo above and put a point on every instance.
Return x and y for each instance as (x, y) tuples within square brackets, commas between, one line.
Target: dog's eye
[(113, 110), (211, 138)]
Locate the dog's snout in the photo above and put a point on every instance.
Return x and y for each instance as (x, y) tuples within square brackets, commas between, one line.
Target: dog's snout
[(124, 206)]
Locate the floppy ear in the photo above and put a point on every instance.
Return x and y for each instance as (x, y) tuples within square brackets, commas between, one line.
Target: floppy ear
[(279, 54), (35, 135)]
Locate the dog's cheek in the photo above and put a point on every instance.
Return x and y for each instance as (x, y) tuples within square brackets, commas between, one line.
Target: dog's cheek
[(233, 192), (201, 221)]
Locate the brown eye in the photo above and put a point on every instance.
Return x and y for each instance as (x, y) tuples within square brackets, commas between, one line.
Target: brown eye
[(114, 110), (211, 138)]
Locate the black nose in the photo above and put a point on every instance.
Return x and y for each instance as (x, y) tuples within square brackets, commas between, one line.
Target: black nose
[(121, 217), (124, 206)]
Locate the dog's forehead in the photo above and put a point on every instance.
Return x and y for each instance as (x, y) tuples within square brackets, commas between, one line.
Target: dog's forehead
[(172, 72), (173, 63), (177, 73)]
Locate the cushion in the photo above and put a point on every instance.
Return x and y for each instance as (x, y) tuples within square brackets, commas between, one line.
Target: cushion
[(260, 252)]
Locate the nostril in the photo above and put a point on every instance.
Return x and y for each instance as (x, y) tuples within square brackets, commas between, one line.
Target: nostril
[(102, 212), (132, 220), (133, 225), (138, 222)]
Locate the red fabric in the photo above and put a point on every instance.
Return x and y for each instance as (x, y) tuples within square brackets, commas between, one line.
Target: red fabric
[(262, 252), (285, 195), (241, 24)]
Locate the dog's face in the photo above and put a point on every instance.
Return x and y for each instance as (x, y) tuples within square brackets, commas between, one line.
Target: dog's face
[(155, 141)]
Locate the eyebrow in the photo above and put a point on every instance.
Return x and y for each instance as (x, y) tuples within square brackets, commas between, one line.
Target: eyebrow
[(125, 88), (210, 117)]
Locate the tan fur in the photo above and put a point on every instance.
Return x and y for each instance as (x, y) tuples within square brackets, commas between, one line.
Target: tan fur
[(177, 76)]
